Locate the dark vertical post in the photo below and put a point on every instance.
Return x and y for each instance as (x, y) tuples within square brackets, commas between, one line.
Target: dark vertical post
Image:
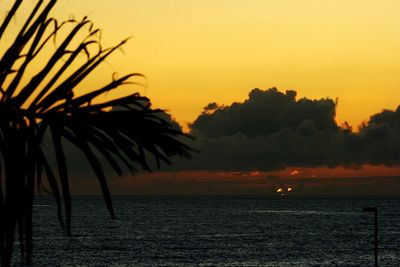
[(375, 211)]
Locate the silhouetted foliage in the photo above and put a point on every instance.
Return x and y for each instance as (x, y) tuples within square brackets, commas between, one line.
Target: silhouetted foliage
[(124, 130)]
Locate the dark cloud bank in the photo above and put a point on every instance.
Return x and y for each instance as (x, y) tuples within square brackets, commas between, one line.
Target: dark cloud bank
[(272, 130)]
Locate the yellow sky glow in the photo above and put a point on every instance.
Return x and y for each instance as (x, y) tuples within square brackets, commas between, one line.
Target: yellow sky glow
[(196, 52)]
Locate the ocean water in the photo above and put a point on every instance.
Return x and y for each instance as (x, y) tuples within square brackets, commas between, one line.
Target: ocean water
[(220, 231)]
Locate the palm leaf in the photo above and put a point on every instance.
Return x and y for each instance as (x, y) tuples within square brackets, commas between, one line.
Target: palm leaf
[(10, 15), (63, 173), (125, 132), (96, 166)]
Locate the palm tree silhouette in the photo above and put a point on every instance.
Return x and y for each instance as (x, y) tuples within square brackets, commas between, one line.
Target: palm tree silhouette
[(124, 131)]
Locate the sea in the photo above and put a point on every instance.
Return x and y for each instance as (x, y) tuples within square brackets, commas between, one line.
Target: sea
[(219, 231)]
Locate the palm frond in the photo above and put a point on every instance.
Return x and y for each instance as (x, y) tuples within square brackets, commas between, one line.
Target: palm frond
[(63, 172), (10, 15), (125, 132)]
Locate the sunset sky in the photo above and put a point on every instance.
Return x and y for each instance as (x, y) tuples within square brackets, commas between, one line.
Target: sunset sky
[(196, 52), (166, 107)]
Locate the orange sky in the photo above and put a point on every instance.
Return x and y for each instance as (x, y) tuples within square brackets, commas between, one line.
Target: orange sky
[(196, 52), (371, 180)]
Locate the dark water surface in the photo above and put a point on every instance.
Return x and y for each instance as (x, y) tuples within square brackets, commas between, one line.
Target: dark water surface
[(226, 231)]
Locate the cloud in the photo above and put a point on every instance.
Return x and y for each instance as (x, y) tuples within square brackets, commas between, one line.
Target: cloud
[(273, 130), (266, 112), (379, 139)]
